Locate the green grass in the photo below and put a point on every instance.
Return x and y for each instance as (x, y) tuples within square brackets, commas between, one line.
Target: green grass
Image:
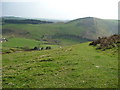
[(38, 30), (17, 44), (87, 28), (20, 42), (77, 66)]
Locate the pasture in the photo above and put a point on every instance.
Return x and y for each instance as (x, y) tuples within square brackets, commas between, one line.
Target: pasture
[(76, 66)]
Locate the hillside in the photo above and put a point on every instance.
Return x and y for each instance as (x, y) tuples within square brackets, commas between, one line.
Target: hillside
[(42, 19), (27, 63), (77, 66), (24, 21), (12, 17), (95, 27), (75, 31)]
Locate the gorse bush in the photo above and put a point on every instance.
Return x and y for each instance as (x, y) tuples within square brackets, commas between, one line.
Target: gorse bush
[(106, 42)]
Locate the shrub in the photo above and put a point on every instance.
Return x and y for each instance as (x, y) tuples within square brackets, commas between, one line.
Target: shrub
[(106, 42)]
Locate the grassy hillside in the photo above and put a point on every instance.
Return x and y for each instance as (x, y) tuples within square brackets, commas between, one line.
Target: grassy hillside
[(20, 44), (77, 66), (80, 30), (95, 27)]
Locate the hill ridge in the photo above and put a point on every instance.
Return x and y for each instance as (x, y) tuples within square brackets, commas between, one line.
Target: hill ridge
[(79, 30)]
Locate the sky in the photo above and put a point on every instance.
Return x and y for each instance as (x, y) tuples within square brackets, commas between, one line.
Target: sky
[(60, 9)]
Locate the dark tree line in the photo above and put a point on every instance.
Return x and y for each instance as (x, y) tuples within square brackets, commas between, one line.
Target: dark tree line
[(26, 21)]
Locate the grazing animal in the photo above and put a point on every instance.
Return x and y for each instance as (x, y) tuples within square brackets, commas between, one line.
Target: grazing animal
[(3, 40), (48, 47), (35, 48), (41, 48)]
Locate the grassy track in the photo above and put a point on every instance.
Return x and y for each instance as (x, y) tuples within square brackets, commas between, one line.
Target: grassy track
[(77, 66)]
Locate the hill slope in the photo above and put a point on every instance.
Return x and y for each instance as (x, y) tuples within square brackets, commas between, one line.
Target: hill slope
[(78, 66), (95, 27), (79, 30)]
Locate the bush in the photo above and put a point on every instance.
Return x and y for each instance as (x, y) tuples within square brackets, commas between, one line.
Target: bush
[(106, 42)]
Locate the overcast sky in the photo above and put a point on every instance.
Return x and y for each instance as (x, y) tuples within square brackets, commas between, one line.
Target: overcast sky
[(61, 9)]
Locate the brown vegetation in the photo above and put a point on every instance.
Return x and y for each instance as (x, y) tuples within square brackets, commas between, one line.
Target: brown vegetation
[(106, 42)]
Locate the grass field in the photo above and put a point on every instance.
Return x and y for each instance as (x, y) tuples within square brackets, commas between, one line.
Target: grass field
[(76, 66), (37, 31), (20, 44)]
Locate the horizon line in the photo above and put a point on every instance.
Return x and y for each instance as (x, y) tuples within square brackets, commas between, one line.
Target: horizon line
[(57, 19)]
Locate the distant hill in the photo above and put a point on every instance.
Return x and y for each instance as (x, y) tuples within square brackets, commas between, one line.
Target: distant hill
[(74, 31), (41, 19), (51, 20), (19, 20), (95, 27), (12, 17), (26, 21)]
